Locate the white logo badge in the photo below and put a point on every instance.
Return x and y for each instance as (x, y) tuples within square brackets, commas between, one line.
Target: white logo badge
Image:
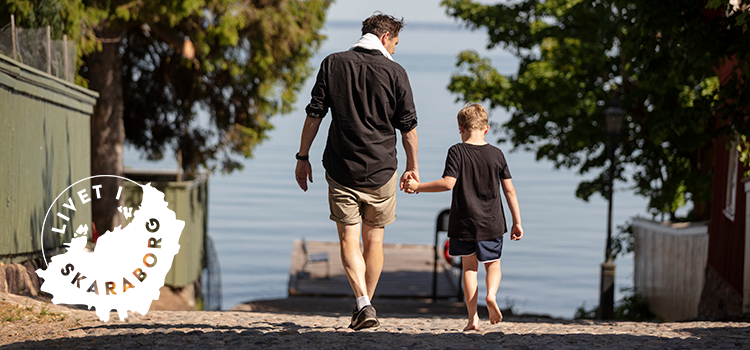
[(128, 265)]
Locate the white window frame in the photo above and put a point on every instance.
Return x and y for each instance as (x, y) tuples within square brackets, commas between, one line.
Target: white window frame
[(734, 157)]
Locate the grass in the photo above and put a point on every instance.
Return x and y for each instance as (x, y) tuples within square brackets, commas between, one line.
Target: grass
[(15, 313)]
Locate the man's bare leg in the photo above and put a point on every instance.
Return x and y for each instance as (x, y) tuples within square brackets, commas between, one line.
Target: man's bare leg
[(493, 283), (352, 259), (372, 240), (470, 265)]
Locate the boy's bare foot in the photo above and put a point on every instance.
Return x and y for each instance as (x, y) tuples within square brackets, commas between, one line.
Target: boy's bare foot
[(471, 327), (495, 314), (473, 324)]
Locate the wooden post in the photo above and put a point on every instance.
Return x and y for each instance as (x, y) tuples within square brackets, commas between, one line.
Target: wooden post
[(49, 52), (746, 279), (13, 35), (179, 165), (65, 57)]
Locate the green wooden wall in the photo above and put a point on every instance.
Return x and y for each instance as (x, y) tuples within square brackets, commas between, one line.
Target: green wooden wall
[(189, 201), (44, 148)]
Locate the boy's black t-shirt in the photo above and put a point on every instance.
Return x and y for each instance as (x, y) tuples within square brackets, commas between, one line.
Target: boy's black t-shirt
[(476, 208)]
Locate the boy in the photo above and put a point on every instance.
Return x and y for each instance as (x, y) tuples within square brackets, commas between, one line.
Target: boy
[(477, 222)]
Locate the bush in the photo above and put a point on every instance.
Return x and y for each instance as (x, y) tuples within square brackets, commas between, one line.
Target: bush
[(632, 307)]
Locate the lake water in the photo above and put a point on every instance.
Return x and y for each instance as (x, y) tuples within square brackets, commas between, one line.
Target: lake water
[(256, 214)]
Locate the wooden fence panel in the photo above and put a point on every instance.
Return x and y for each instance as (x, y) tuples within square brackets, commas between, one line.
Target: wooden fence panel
[(189, 201), (670, 261), (45, 139)]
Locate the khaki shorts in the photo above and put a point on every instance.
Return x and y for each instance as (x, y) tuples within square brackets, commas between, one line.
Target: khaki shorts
[(375, 207)]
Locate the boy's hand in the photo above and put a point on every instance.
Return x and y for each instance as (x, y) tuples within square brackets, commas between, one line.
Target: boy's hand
[(411, 185), (409, 174), (516, 232)]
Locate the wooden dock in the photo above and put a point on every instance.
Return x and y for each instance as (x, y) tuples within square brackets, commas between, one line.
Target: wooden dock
[(407, 272)]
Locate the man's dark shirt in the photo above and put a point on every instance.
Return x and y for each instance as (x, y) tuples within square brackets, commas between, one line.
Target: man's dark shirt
[(476, 207), (369, 97)]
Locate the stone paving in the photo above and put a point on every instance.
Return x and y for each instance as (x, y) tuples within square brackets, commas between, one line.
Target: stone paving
[(81, 329)]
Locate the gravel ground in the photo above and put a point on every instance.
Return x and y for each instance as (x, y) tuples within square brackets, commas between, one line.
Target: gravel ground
[(31, 324)]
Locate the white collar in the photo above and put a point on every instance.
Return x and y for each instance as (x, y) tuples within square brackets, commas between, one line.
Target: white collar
[(371, 42)]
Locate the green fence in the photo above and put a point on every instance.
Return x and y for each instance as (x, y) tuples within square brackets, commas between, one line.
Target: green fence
[(44, 148), (189, 201)]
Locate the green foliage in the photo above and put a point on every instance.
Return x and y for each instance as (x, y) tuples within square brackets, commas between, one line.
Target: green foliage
[(632, 307), (583, 314), (250, 61), (659, 58), (743, 148), (69, 17), (37, 14), (741, 17), (622, 242)]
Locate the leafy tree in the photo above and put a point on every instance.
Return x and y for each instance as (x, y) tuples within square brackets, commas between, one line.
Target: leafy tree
[(38, 14), (660, 59), (157, 64)]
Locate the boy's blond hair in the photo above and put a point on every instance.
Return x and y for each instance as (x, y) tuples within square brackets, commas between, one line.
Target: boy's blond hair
[(472, 117)]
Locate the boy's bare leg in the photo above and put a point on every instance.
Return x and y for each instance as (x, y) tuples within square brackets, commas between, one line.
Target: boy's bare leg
[(352, 259), (470, 266), (372, 240), (494, 274)]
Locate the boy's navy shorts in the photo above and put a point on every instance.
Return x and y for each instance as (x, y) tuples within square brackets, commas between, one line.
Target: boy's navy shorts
[(486, 251)]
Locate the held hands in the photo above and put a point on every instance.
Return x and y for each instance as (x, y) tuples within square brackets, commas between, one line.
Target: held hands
[(409, 181), (516, 232), (411, 186), (302, 173)]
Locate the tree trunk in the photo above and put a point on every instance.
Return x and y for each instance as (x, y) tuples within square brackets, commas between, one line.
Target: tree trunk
[(107, 128)]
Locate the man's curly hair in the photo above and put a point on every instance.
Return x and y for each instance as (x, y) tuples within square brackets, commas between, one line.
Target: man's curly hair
[(379, 24)]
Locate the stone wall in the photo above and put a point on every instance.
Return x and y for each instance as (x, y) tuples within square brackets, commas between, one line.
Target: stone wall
[(21, 278), (719, 299)]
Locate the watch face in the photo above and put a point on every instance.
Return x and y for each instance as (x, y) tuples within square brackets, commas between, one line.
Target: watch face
[(124, 268)]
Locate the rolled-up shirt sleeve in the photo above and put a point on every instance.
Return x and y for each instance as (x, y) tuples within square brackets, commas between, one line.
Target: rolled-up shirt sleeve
[(405, 113), (318, 106)]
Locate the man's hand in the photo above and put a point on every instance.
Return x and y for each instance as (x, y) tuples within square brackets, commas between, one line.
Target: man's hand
[(516, 233), (303, 172), (409, 174)]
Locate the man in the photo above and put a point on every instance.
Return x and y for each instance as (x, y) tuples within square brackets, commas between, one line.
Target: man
[(369, 96)]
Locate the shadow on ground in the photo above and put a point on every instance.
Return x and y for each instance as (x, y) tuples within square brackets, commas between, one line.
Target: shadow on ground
[(290, 335), (332, 306)]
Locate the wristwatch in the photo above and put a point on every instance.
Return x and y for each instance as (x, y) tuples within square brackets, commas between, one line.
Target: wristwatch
[(299, 157)]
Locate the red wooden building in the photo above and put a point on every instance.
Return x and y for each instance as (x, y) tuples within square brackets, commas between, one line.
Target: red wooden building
[(725, 268), (727, 252)]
